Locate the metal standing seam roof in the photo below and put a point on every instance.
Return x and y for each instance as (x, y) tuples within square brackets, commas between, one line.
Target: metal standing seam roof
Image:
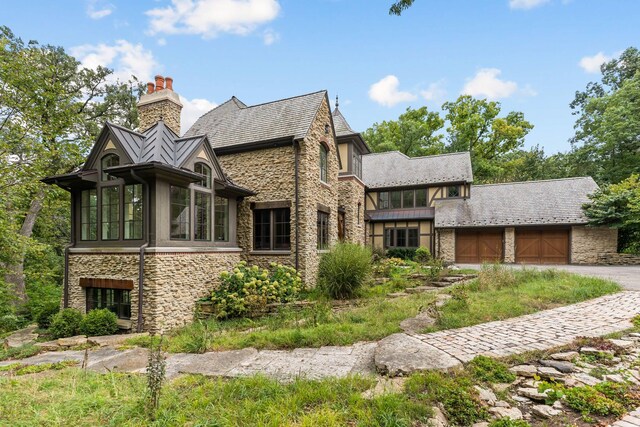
[(394, 169), (401, 214), (548, 202), (234, 123)]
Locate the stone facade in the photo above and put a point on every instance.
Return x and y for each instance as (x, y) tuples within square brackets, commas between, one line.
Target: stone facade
[(618, 259), (351, 196), (588, 242), (446, 244), (509, 245), (160, 105), (173, 282)]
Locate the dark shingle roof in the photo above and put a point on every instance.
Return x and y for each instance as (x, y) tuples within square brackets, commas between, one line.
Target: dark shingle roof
[(548, 202), (394, 169), (233, 123), (341, 125)]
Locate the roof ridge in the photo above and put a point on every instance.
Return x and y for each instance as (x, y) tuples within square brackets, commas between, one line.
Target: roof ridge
[(419, 157), (287, 99), (125, 128), (535, 181)]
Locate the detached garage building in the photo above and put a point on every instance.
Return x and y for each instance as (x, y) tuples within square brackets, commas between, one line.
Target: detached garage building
[(535, 222)]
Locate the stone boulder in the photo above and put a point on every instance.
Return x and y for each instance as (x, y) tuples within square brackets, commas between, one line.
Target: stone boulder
[(401, 354)]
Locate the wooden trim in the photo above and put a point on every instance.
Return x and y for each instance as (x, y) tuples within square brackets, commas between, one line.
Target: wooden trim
[(271, 205), (91, 282)]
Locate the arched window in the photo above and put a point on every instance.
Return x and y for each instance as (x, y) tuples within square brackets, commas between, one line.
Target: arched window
[(324, 163), (108, 161), (205, 170)]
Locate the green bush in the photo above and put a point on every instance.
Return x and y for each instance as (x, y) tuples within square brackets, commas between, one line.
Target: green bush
[(45, 316), (386, 266), (8, 323), (247, 290), (497, 276), (588, 400), (344, 269), (402, 253), (436, 266), (422, 255), (66, 323), (99, 322), (489, 370)]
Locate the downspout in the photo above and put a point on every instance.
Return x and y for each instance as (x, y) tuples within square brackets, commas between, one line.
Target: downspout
[(147, 216), (296, 150), (72, 243)]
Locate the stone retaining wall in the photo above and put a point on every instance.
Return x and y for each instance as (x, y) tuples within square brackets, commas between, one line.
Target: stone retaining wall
[(618, 259), (588, 242)]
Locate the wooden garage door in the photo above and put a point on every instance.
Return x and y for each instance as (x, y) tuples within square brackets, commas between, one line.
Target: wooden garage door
[(542, 246), (473, 246)]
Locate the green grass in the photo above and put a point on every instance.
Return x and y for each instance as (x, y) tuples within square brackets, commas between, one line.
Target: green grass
[(499, 293), (26, 350), (79, 398)]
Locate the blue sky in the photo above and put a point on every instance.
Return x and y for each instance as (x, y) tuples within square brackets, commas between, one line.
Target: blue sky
[(531, 55)]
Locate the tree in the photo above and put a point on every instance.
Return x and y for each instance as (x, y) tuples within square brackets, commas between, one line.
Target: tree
[(475, 126), (51, 109), (400, 6), (618, 205), (415, 133), (607, 140)]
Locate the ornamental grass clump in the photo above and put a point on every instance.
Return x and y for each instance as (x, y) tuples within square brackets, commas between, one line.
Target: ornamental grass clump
[(344, 269), (248, 289)]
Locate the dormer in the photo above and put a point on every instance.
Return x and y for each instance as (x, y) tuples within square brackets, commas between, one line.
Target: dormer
[(351, 145)]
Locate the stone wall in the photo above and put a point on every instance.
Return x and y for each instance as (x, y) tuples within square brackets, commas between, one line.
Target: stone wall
[(509, 245), (588, 242), (618, 259), (163, 104), (351, 198), (172, 283), (446, 244)]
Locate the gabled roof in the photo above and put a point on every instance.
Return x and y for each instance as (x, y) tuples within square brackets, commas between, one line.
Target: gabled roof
[(234, 123), (394, 169), (556, 201)]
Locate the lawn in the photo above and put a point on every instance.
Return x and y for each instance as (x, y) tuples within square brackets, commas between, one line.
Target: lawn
[(498, 293)]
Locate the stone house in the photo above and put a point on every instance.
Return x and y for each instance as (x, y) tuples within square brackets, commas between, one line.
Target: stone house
[(156, 216)]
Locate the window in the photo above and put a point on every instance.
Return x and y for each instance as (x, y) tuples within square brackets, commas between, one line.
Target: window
[(272, 229), (180, 202), (383, 200), (108, 161), (421, 198), (323, 230), (395, 199), (110, 213), (357, 164), (202, 220), (133, 207), (116, 300), (221, 226), (407, 199), (324, 163), (205, 170), (453, 191), (401, 238), (89, 215)]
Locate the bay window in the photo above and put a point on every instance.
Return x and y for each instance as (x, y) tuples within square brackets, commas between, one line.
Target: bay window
[(110, 200), (89, 215)]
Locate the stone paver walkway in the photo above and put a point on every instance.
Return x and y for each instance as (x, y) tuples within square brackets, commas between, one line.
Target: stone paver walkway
[(632, 419), (395, 355)]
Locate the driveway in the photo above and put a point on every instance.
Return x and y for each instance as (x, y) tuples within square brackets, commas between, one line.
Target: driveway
[(627, 276)]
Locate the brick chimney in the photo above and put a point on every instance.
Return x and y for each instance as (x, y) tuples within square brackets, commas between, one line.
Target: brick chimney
[(158, 103)]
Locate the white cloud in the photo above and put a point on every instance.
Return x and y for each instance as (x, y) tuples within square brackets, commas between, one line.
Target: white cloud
[(434, 92), (96, 11), (208, 18), (385, 92), (125, 58), (269, 37), (192, 110), (162, 41), (487, 84), (591, 64), (526, 4)]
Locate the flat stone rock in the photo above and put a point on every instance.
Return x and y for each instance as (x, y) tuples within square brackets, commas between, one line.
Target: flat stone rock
[(585, 379), (72, 341), (564, 367), (545, 411), (21, 337), (401, 354), (567, 356), (215, 364), (397, 294), (420, 289), (111, 360), (114, 340), (615, 378), (439, 419), (623, 343), (48, 346), (549, 372), (482, 424), (486, 395), (513, 413), (502, 404), (418, 323), (441, 300), (385, 386), (532, 393), (593, 350), (524, 370)]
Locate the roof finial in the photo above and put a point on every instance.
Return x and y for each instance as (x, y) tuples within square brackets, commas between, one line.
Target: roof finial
[(336, 101)]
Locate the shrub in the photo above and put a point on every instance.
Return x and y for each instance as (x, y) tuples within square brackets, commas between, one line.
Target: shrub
[(402, 253), (489, 370), (436, 266), (496, 276), (588, 400), (8, 323), (46, 315), (386, 266), (66, 323), (344, 269), (422, 255), (99, 322), (249, 289)]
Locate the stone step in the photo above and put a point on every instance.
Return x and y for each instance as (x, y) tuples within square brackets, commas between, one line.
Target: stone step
[(420, 289)]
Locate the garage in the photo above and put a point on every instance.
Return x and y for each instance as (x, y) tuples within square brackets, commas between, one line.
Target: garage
[(542, 246), (482, 245)]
